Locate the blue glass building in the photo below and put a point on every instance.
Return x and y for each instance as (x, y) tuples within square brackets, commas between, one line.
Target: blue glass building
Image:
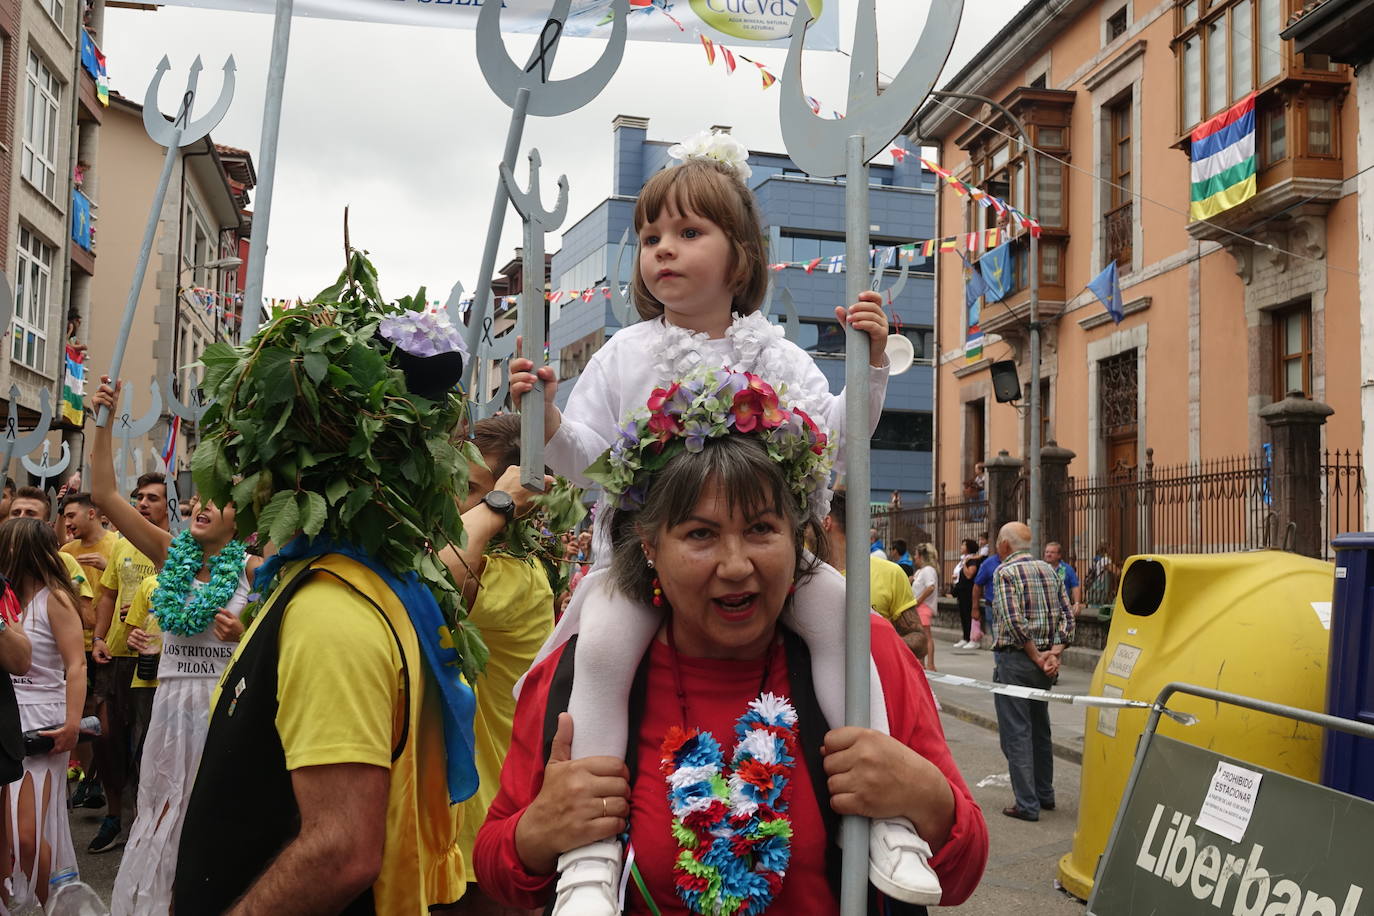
[(805, 220)]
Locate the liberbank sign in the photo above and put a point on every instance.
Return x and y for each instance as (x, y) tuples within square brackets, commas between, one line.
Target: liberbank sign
[(1207, 834)]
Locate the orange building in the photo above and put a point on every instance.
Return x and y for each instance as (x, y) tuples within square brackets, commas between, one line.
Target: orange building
[(1222, 316)]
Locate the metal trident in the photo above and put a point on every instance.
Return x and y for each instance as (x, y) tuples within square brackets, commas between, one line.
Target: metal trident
[(44, 470), (827, 148), (528, 90), (181, 131), (12, 440), (126, 429), (196, 404), (538, 222), (621, 306)]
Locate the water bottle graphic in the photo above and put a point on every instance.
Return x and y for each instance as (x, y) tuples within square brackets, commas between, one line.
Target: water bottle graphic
[(36, 743), (70, 896)]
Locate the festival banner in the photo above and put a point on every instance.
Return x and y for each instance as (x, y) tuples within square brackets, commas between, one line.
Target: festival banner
[(74, 386), (767, 23)]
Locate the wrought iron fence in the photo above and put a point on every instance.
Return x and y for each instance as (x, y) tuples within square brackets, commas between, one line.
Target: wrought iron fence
[(1212, 506), (944, 525), (1343, 495)]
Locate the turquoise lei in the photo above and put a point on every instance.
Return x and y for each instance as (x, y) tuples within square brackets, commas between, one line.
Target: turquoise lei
[(175, 612)]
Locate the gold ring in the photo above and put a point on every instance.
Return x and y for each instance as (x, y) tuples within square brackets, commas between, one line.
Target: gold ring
[(605, 811)]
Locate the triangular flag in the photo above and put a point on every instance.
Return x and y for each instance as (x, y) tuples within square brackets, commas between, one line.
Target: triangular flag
[(768, 78), (928, 248), (812, 265), (993, 237), (729, 57), (710, 47)]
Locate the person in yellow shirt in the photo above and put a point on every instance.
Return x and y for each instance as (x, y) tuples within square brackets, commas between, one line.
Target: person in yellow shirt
[(512, 605), (345, 701), (889, 588), (125, 708)]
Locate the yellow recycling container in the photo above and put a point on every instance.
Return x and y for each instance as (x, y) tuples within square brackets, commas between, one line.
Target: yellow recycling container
[(1255, 624)]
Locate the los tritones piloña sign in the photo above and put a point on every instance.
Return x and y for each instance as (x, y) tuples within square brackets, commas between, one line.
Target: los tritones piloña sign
[(1208, 834)]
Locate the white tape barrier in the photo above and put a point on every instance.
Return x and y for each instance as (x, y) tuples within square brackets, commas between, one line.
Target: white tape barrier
[(1050, 696)]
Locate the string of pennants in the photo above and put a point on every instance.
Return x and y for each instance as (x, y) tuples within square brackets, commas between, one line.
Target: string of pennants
[(894, 255)]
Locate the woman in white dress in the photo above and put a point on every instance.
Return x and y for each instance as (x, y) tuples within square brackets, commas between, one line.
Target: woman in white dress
[(200, 591), (50, 696)]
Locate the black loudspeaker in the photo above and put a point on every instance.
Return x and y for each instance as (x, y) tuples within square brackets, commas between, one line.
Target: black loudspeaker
[(1006, 384)]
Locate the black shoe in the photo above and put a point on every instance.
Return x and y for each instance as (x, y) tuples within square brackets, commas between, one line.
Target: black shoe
[(1047, 806), (107, 837), (95, 796), (1021, 814)]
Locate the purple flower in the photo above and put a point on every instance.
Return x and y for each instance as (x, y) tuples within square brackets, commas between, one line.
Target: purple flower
[(422, 334), (696, 433)]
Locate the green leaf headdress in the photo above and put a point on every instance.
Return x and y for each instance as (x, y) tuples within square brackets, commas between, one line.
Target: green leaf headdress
[(314, 429)]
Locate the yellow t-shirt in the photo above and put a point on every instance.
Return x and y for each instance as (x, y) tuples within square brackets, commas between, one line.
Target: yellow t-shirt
[(139, 618), (514, 614), (889, 588), (125, 572), (80, 584), (341, 699), (93, 574)]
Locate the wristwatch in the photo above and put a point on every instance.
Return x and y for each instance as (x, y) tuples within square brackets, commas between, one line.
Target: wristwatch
[(500, 502)]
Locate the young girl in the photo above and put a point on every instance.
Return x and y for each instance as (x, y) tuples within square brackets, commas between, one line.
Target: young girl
[(200, 590), (50, 696), (702, 276)]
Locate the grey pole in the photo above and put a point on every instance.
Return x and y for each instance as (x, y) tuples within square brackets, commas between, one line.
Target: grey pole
[(267, 171), (141, 268), (1036, 520), (854, 830)]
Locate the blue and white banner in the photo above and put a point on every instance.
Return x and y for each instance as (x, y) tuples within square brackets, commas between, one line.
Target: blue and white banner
[(747, 22)]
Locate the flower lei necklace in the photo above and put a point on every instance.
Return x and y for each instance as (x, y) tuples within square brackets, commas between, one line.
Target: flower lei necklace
[(177, 611), (732, 826)]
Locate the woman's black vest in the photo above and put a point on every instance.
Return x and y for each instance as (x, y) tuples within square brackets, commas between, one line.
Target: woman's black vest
[(242, 811), (811, 730)]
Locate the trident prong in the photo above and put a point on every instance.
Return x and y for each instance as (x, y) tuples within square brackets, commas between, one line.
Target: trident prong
[(6, 303), (126, 429), (163, 131), (533, 329), (192, 411), (879, 271), (621, 306), (547, 97), (12, 441), (175, 523), (45, 471), (453, 307), (818, 145), (792, 327)]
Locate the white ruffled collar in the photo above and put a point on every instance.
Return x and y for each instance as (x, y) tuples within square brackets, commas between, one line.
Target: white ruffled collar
[(755, 345)]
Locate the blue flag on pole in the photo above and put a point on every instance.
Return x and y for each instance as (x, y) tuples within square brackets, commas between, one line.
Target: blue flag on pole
[(974, 287), (995, 266), (1106, 286)]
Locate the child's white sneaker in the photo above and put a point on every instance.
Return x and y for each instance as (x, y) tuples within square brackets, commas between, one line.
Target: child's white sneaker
[(899, 862), (589, 879)]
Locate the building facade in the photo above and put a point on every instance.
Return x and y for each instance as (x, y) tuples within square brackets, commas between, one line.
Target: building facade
[(1222, 316), (190, 294), (805, 220), (51, 116)]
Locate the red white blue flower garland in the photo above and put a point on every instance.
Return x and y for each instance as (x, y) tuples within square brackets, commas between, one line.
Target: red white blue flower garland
[(732, 826)]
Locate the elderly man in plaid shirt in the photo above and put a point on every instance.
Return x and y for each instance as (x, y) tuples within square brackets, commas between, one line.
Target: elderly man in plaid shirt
[(1032, 622)]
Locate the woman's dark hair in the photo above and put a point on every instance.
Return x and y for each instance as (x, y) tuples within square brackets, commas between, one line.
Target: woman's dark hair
[(752, 482), (970, 545), (30, 559)]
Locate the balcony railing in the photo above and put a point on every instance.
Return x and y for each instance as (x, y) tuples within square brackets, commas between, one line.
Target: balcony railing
[(1118, 232)]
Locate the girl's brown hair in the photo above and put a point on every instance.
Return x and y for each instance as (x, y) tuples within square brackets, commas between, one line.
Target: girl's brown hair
[(30, 559), (715, 191)]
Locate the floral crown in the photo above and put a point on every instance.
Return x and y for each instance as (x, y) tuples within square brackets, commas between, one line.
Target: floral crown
[(718, 146), (708, 404)]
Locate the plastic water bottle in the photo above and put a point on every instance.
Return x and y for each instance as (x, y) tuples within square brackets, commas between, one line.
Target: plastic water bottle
[(68, 895)]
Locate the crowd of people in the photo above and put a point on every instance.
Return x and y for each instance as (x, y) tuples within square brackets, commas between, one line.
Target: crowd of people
[(364, 678)]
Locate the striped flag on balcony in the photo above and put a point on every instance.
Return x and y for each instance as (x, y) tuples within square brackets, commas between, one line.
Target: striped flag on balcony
[(1223, 155)]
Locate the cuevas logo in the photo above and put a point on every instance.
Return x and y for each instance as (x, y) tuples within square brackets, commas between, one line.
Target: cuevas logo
[(752, 20)]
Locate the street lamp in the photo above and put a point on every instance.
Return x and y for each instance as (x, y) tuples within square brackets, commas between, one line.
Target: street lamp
[(1036, 508)]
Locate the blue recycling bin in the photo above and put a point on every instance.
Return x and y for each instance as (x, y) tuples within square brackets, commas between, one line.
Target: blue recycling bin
[(1347, 761)]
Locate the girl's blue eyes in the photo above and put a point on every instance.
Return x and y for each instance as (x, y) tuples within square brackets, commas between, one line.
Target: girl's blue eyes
[(686, 233)]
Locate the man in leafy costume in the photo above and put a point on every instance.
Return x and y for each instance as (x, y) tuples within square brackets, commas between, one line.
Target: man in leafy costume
[(341, 732)]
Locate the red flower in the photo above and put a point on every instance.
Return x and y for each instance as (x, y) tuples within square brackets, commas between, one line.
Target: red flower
[(660, 396), (666, 425), (818, 438), (757, 405)]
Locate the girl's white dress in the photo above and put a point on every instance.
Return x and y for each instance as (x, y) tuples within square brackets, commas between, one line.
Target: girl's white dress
[(42, 698), (187, 673)]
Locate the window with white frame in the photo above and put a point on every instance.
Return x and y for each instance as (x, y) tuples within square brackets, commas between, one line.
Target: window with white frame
[(42, 95), (54, 8), (32, 289)]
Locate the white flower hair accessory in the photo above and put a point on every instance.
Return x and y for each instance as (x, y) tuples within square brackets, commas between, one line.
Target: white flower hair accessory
[(717, 145)]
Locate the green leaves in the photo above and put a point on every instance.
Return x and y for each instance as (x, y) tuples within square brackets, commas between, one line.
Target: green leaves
[(328, 441)]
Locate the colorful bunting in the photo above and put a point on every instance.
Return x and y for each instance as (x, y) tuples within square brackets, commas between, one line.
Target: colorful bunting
[(710, 47), (74, 386)]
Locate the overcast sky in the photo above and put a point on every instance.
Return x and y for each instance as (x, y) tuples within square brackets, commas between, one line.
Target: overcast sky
[(397, 123)]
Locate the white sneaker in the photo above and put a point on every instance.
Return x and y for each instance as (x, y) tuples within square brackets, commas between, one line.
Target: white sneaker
[(899, 862), (962, 644), (589, 879)]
